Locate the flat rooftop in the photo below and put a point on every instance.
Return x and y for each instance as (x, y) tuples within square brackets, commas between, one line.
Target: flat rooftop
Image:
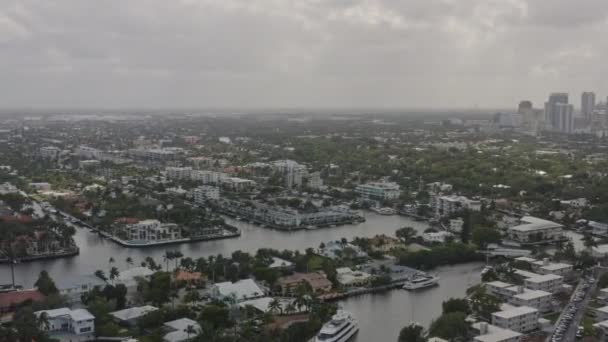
[(531, 223), (515, 312)]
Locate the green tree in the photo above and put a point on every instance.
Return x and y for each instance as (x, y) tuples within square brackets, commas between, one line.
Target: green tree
[(450, 326), (456, 305), (412, 332), (406, 234), (45, 284), (483, 236)]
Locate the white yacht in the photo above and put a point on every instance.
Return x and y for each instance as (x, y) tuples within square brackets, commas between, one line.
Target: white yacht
[(420, 281), (341, 328)]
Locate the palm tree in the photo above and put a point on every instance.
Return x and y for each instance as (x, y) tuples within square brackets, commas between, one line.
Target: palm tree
[(190, 330), (177, 255), (275, 306), (43, 321), (101, 275), (168, 256), (114, 274), (129, 261), (290, 309)]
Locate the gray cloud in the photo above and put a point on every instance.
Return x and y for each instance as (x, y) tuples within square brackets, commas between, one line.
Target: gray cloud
[(299, 53)]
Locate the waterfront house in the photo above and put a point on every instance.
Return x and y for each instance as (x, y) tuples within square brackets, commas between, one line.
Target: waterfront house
[(317, 281), (336, 249), (9, 301), (278, 263), (349, 278), (152, 230), (181, 330), (73, 287), (131, 315), (241, 290), (65, 320), (129, 277)]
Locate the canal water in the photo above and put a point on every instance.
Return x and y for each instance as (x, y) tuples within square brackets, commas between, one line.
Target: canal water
[(380, 315)]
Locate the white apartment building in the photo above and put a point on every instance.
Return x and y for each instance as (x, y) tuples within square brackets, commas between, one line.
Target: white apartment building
[(292, 172), (178, 172), (545, 266), (153, 230), (436, 237), (314, 180), (447, 205), (535, 230), (380, 191), (64, 320), (538, 299), (207, 177), (88, 152), (547, 282), (206, 192), (521, 319), (499, 289), (155, 154), (491, 333), (49, 152), (237, 184)]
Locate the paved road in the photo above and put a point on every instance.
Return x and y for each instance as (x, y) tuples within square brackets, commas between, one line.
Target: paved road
[(587, 287)]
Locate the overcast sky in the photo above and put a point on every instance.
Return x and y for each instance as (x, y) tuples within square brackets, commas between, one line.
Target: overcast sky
[(299, 53)]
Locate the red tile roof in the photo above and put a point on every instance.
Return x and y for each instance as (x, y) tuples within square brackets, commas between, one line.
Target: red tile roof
[(9, 299)]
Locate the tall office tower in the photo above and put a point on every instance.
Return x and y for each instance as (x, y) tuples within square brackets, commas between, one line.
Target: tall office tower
[(587, 105), (551, 119), (524, 107), (564, 118)]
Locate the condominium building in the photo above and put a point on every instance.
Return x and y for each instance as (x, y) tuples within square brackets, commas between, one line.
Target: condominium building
[(314, 180), (521, 319), (207, 177), (153, 230), (547, 282), (292, 172), (535, 230), (447, 205), (237, 184), (538, 299), (155, 154), (381, 191), (88, 152), (178, 172), (545, 266), (206, 192), (49, 152)]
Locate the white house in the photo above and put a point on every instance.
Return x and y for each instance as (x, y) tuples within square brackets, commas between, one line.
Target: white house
[(129, 277), (153, 230), (131, 315), (349, 278), (64, 320), (180, 330), (74, 287), (243, 289)]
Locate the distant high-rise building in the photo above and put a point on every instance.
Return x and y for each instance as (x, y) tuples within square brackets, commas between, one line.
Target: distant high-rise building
[(524, 107), (587, 105), (564, 118), (551, 119)]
